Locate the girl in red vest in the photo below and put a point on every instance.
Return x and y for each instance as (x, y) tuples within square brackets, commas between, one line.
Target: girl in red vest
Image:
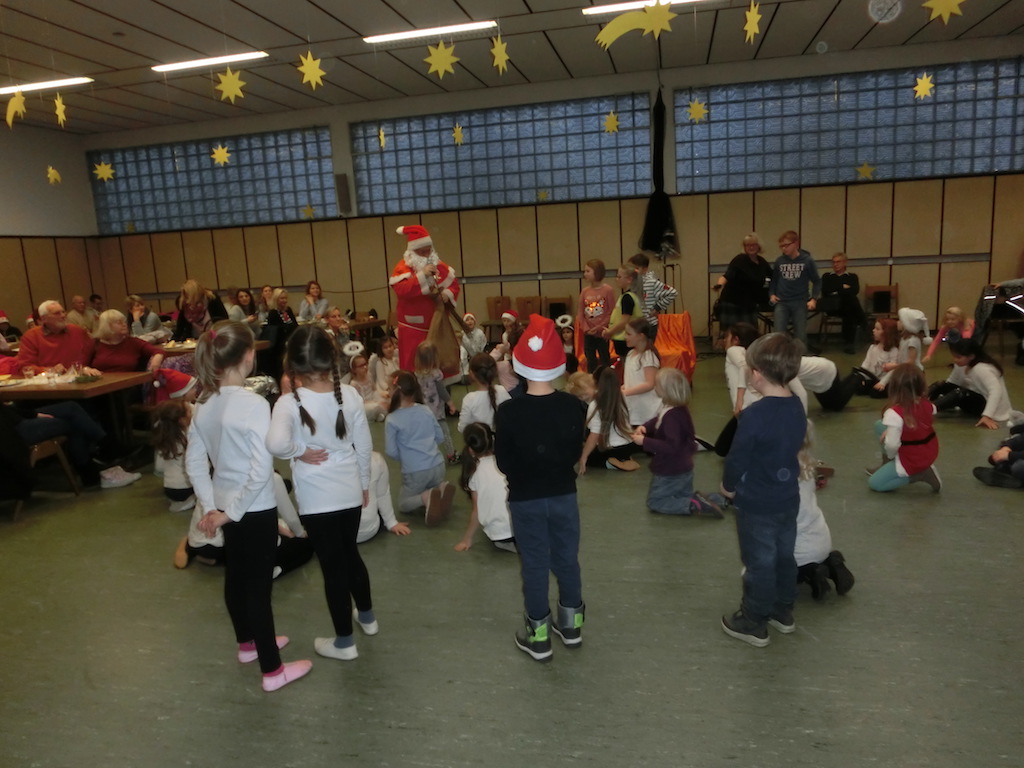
[(909, 444)]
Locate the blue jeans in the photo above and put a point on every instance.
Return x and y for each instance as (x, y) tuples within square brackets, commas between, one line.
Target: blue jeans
[(671, 494), (795, 312), (548, 538), (69, 419), (767, 536)]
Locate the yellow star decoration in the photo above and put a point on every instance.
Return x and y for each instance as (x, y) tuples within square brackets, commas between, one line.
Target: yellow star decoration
[(924, 87), (865, 172), (457, 134), (943, 8), (308, 212), (752, 26), (220, 155), (103, 171), (310, 69), (543, 195), (500, 55), (59, 110), (382, 138), (441, 59), (129, 227), (611, 123), (653, 19), (15, 107), (697, 111), (52, 175), (230, 86)]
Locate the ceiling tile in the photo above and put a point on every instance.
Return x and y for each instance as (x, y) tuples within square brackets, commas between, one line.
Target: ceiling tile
[(579, 52), (535, 58)]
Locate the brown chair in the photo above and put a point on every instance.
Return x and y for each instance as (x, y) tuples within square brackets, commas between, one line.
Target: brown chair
[(43, 450), (557, 305), (881, 301), (496, 305), (526, 306)]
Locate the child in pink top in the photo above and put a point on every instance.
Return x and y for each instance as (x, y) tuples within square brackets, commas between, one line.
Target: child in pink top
[(596, 303)]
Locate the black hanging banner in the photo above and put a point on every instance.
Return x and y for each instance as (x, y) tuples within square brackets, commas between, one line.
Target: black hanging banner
[(659, 233)]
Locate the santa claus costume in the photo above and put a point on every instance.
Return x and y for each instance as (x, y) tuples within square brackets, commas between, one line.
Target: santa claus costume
[(416, 291)]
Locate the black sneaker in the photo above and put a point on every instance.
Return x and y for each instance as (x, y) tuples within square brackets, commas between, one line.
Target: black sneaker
[(534, 639), (818, 579), (997, 479), (741, 627), (781, 619), (838, 572)]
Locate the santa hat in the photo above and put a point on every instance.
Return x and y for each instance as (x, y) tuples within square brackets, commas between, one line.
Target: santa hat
[(3, 317), (913, 321), (172, 384), (418, 236), (510, 314), (465, 317), (539, 355)]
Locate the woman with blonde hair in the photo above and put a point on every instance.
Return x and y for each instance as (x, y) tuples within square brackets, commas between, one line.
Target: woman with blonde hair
[(145, 323), (116, 350), (744, 285), (198, 310)]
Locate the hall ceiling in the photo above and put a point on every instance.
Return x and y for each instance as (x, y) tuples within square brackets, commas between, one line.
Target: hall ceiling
[(117, 41)]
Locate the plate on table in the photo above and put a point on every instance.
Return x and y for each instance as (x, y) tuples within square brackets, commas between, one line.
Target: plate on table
[(7, 381), (86, 379)]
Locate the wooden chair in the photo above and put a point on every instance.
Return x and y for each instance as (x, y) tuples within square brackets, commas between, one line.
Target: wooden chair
[(881, 301), (43, 450), (553, 306), (496, 305), (526, 306)]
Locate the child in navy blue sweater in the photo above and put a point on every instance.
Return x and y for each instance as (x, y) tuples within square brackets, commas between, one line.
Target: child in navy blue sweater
[(762, 474)]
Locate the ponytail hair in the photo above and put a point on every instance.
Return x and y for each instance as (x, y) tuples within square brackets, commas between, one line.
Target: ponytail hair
[(169, 438), (479, 440), (407, 385), (312, 353), (485, 371), (611, 406), (219, 349)]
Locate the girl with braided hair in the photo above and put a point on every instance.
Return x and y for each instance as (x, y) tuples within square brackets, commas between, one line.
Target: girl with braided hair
[(321, 427)]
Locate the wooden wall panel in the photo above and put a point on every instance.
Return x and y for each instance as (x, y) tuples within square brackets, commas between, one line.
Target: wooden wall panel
[(599, 230), (41, 265), (1007, 229), (632, 214), (869, 221), (474, 299), (445, 232), (959, 286), (823, 221), (689, 274), (331, 257), (919, 287), (566, 288), (169, 261), (517, 242), (114, 283), (73, 264), (967, 215), (138, 259), (730, 219), (917, 218), (19, 300), (366, 239), (558, 238), (295, 242), (479, 234), (218, 255), (872, 276), (775, 211), (262, 254)]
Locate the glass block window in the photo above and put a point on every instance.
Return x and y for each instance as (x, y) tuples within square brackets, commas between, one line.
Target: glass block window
[(267, 178), (834, 130), (507, 156)]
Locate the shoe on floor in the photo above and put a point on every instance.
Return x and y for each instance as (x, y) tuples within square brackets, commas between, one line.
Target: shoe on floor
[(370, 628), (781, 619), (115, 477), (181, 553), (447, 497), (746, 629), (702, 506), (325, 647), (288, 673), (996, 478), (625, 465), (247, 651), (930, 476), (182, 506), (432, 517), (838, 572)]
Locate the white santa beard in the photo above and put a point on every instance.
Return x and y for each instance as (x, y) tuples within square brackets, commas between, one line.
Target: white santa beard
[(419, 263)]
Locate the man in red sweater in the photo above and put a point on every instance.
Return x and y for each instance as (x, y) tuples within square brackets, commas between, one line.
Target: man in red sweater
[(55, 343)]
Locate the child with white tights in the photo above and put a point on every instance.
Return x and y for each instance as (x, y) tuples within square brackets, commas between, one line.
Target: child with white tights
[(228, 430)]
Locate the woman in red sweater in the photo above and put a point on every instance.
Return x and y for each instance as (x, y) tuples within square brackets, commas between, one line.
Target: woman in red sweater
[(116, 350)]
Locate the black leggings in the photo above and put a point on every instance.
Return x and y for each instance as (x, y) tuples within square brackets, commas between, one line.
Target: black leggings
[(947, 396), (333, 535)]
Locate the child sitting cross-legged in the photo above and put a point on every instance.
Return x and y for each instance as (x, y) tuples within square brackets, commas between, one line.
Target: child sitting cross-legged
[(610, 442)]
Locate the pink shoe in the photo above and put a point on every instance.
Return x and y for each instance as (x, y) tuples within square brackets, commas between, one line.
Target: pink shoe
[(288, 673), (247, 651)]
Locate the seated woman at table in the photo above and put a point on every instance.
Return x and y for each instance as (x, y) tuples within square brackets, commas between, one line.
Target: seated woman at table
[(266, 302), (313, 305), (115, 350), (198, 310), (245, 309), (145, 322), (337, 326)]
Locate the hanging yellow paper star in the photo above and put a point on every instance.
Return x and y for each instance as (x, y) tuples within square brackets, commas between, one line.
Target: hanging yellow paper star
[(231, 84), (924, 87), (943, 8), (308, 211), (129, 227), (865, 172), (220, 155), (15, 108), (697, 111), (58, 104), (103, 171), (382, 138), (457, 134), (653, 19), (543, 195), (52, 175), (611, 123), (499, 54), (752, 26), (310, 69), (441, 59)]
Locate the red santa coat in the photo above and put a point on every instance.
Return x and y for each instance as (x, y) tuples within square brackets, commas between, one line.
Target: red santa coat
[(415, 307)]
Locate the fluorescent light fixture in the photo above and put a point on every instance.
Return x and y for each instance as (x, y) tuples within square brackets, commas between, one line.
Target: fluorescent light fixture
[(620, 7), (433, 32), (46, 86), (198, 63)]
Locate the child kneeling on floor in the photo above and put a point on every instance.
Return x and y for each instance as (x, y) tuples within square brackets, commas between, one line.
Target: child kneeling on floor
[(669, 436), (909, 444)]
